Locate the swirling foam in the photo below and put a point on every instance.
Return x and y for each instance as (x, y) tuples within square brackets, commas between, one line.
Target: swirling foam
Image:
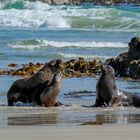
[(38, 14), (29, 18), (34, 44), (34, 14), (72, 55)]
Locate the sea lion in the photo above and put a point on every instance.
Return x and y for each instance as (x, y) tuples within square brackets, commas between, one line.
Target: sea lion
[(49, 95), (106, 86), (125, 99), (23, 89)]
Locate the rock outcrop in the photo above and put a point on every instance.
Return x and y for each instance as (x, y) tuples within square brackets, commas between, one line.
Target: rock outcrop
[(128, 63), (57, 2), (97, 2), (72, 68)]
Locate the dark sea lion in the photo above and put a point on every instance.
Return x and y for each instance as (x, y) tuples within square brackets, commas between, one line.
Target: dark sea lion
[(49, 95), (125, 99), (106, 86), (23, 89)]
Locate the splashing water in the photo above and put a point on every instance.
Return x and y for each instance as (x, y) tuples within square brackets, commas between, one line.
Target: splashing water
[(21, 13)]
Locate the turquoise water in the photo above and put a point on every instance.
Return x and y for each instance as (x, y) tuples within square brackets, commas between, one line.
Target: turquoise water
[(34, 31), (37, 32)]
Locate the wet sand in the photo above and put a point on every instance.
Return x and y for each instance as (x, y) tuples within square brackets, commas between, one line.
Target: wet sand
[(68, 116), (105, 132)]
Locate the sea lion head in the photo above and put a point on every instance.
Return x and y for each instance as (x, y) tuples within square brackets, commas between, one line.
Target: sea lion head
[(58, 76), (105, 69), (56, 65)]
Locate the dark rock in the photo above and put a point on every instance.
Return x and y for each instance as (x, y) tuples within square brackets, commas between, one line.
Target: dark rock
[(72, 68), (128, 63), (119, 64), (134, 68), (134, 49), (97, 2), (79, 94), (58, 2), (12, 65), (1, 72), (92, 123)]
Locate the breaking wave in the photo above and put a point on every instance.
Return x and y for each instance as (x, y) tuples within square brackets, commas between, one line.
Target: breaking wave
[(19, 13), (86, 56), (36, 44)]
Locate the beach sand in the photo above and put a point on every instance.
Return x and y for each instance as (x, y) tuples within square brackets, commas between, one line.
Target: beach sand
[(106, 132)]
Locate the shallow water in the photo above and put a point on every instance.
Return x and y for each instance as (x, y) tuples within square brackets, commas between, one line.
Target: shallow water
[(37, 32), (75, 114)]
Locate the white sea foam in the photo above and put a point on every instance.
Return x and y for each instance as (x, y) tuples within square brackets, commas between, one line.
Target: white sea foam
[(26, 47), (91, 44), (38, 14), (36, 6), (70, 55), (33, 15), (85, 45), (31, 18)]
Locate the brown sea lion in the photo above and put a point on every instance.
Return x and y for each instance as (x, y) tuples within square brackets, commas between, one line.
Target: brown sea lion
[(106, 86), (125, 99), (49, 95), (23, 89)]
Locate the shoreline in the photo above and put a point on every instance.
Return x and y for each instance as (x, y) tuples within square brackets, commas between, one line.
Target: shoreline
[(72, 68), (20, 45), (115, 132), (125, 65), (95, 2), (80, 2)]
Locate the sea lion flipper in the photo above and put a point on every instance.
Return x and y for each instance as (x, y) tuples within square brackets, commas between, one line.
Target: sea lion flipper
[(58, 104), (98, 103), (10, 102)]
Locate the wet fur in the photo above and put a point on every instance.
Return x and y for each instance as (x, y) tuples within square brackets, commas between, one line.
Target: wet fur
[(106, 87), (125, 99), (26, 90), (50, 93)]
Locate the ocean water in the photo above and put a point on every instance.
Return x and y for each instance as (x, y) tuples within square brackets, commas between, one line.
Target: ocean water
[(38, 32)]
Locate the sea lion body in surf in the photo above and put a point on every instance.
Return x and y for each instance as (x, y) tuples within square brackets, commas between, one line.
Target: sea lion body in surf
[(49, 95), (106, 86), (125, 99), (24, 90)]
